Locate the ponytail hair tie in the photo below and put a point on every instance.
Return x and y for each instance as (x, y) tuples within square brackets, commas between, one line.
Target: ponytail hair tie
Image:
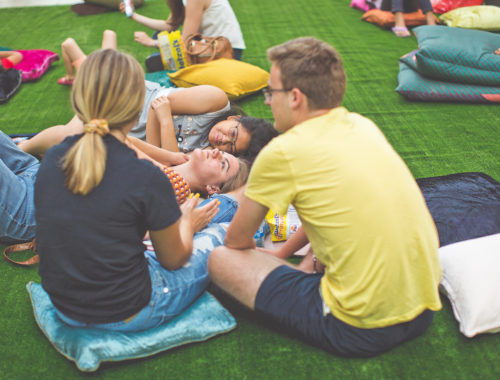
[(99, 126)]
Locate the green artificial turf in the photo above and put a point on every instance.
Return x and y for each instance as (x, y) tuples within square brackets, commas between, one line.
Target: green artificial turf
[(433, 139)]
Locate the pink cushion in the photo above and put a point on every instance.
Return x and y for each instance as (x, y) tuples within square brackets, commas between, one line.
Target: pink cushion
[(360, 4), (35, 63)]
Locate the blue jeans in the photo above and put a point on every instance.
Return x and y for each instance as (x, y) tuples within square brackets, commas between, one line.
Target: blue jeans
[(172, 292), (17, 184), (407, 6), (227, 208)]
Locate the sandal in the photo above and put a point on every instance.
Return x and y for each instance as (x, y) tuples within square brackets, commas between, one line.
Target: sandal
[(65, 81), (401, 31)]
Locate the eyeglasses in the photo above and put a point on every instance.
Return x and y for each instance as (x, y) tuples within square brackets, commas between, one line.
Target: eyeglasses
[(268, 92), (233, 134)]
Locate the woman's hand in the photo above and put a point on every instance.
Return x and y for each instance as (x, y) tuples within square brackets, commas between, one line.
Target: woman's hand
[(144, 39), (122, 6), (178, 158), (199, 217), (161, 106)]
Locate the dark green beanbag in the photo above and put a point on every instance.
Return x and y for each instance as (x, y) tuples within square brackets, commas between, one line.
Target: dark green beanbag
[(458, 55), (414, 86)]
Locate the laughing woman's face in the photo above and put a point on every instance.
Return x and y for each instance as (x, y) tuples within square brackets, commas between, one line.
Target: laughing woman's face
[(229, 136)]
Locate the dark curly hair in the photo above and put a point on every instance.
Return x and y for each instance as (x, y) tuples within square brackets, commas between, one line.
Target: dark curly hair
[(261, 131)]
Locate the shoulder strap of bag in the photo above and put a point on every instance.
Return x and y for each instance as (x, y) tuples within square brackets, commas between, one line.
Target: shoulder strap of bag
[(29, 246)]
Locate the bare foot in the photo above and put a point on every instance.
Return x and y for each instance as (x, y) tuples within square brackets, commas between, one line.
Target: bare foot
[(144, 39)]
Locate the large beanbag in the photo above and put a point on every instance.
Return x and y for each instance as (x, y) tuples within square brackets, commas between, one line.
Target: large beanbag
[(458, 55), (35, 63), (483, 17), (414, 86)]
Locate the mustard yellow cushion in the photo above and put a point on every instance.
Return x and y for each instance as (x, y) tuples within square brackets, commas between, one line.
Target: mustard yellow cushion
[(236, 78)]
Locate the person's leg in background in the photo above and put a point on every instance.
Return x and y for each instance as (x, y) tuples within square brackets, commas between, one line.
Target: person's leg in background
[(17, 211)]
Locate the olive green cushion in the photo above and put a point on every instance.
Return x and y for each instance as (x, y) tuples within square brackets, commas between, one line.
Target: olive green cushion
[(483, 17)]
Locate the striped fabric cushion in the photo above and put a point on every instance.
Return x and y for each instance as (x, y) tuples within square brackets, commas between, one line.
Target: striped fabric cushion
[(414, 86), (458, 55)]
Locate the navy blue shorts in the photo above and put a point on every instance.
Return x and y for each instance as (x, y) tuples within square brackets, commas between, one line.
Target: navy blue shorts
[(291, 298)]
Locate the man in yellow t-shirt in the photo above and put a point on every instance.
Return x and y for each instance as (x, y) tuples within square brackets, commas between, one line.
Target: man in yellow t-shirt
[(360, 209)]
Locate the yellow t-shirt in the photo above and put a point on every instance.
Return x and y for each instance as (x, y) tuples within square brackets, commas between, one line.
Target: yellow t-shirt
[(363, 213)]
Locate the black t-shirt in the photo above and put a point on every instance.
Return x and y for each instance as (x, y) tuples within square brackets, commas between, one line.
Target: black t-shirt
[(92, 260)]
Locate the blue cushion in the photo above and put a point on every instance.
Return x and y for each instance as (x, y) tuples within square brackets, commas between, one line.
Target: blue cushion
[(89, 347)]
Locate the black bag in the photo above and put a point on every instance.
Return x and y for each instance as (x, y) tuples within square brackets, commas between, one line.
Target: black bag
[(10, 80)]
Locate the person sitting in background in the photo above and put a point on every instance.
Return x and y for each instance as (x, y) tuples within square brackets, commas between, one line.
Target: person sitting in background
[(73, 56), (398, 7), (211, 18)]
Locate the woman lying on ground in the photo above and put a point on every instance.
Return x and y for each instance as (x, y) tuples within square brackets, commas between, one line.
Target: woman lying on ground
[(208, 172), (201, 117), (179, 119), (94, 201), (205, 173)]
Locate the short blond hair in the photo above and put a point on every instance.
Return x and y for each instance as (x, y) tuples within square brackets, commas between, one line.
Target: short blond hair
[(312, 66), (238, 180), (109, 85)]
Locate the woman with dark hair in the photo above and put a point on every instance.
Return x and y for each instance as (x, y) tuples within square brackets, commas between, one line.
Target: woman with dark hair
[(202, 117), (180, 120)]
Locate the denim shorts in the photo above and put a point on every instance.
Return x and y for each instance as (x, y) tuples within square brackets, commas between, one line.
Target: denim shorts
[(172, 291), (291, 299)]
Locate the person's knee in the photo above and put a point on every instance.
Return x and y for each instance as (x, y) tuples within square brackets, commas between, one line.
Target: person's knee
[(215, 259), (108, 33), (68, 42)]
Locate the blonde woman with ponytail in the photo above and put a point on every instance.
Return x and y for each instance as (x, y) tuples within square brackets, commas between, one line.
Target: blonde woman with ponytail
[(94, 202)]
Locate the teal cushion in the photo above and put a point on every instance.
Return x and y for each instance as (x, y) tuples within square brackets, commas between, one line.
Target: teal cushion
[(415, 86), (161, 77), (458, 55), (89, 347)]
